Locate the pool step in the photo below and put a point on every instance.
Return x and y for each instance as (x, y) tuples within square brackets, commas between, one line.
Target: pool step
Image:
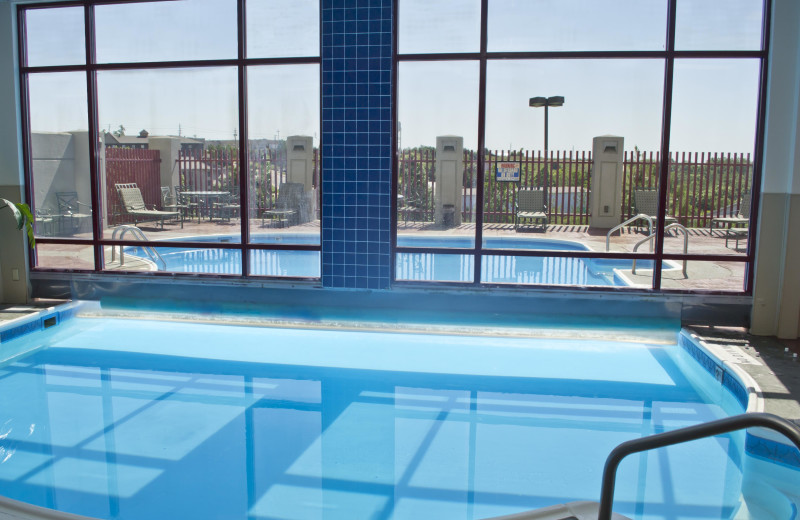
[(15, 510), (582, 510)]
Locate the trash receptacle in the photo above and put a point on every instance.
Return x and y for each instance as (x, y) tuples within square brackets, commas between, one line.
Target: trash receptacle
[(448, 215)]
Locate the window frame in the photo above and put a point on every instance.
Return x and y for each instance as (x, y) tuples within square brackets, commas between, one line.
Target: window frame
[(91, 68), (669, 55)]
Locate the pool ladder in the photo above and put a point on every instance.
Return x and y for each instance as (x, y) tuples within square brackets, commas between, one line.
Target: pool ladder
[(585, 510), (650, 238), (138, 234)]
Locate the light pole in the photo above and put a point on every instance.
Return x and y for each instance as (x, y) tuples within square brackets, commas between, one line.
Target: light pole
[(546, 102)]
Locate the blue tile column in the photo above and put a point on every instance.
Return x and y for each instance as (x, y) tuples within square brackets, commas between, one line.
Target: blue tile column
[(356, 143)]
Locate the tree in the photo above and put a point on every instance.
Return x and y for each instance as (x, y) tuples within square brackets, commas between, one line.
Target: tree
[(119, 132)]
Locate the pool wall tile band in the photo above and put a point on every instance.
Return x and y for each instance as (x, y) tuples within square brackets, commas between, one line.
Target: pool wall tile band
[(41, 320), (356, 143), (755, 445)]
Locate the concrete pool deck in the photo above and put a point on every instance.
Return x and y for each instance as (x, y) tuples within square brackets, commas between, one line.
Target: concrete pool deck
[(701, 275), (767, 359)]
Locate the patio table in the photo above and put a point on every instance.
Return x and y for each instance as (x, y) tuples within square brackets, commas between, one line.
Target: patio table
[(203, 200)]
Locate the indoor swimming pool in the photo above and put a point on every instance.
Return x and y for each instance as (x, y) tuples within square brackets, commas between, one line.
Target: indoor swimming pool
[(408, 266), (134, 416)]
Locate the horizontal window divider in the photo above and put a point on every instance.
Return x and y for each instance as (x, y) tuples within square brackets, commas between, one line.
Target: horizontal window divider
[(208, 245), (65, 241), (43, 272), (182, 64), (284, 247), (526, 252), (705, 258), (522, 287), (517, 55)]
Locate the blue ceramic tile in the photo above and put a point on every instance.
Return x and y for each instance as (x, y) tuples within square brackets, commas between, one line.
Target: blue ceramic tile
[(357, 135)]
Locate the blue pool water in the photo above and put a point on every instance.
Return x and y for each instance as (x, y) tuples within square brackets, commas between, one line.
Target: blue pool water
[(133, 419), (412, 266)]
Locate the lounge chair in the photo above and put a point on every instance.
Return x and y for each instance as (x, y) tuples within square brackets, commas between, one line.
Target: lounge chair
[(133, 205), (530, 206), (287, 205), (742, 218), (645, 206), (69, 212)]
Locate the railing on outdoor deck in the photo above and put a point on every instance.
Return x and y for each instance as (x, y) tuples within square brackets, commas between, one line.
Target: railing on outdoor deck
[(702, 186)]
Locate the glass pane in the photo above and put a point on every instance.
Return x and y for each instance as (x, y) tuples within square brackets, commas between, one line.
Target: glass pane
[(60, 154), (732, 25), (437, 143), (712, 142), (282, 28), (441, 26), (174, 259), (166, 31), (64, 256), (706, 276), (577, 25), (611, 127), (55, 36), (565, 271), (170, 144), (431, 267), (303, 264), (284, 166)]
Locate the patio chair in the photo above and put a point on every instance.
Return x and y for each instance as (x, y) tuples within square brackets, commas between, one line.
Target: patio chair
[(133, 205), (171, 203), (736, 234), (69, 211), (742, 217), (226, 207), (286, 209), (530, 206), (645, 206), (410, 208), (192, 204)]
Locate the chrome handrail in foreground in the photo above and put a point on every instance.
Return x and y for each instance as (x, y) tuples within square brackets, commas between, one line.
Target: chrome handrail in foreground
[(138, 234), (690, 433)]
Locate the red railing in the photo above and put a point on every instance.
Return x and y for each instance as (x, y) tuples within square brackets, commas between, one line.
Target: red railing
[(701, 185), (124, 165), (218, 170)]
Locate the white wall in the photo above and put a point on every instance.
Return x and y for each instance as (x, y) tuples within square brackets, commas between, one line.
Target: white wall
[(776, 302)]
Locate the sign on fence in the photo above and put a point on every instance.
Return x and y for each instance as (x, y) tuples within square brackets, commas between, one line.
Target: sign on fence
[(507, 171)]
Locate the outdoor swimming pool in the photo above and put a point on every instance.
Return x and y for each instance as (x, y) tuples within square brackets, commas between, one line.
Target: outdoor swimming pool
[(412, 266), (132, 418)]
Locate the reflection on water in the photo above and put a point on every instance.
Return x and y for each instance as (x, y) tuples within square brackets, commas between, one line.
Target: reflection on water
[(129, 435)]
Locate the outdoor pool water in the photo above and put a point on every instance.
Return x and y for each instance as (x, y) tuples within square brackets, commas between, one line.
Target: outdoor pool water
[(412, 266), (151, 419)]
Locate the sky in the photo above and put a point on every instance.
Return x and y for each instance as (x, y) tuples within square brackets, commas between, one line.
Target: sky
[(714, 101)]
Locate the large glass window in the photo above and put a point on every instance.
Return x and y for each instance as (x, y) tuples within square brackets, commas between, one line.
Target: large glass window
[(178, 180), (604, 154)]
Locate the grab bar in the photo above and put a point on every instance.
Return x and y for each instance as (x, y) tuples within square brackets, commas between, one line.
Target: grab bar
[(690, 433), (138, 234), (629, 221), (650, 237)]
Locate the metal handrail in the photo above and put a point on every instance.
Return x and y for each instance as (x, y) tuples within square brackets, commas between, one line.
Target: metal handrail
[(690, 433), (674, 225), (648, 218), (138, 234)]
